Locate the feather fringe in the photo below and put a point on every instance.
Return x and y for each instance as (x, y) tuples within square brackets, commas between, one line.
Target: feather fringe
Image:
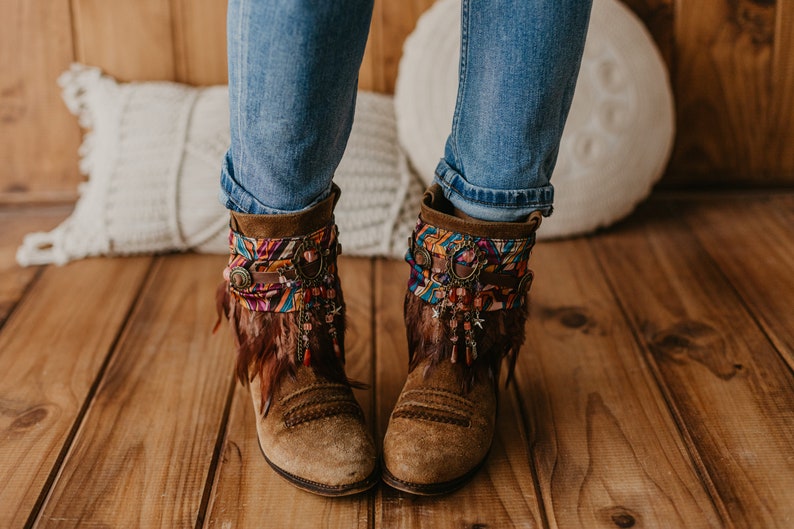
[(267, 343), (500, 339)]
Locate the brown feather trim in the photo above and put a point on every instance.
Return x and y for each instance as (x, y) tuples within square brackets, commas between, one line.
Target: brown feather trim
[(428, 339), (267, 342)]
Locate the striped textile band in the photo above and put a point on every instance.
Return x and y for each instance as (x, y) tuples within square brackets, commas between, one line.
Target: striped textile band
[(504, 257), (293, 291)]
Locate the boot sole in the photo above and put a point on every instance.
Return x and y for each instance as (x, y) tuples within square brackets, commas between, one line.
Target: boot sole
[(331, 491), (429, 489)]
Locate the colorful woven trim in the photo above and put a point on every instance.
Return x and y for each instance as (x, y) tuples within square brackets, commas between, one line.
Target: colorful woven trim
[(302, 277), (458, 273), (279, 256), (507, 257)]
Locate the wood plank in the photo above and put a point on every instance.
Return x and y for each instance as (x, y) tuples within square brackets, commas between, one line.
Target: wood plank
[(723, 82), (399, 20), (753, 243), (16, 222), (606, 448), (38, 135), (371, 75), (132, 41), (248, 491), (200, 41), (144, 450), (781, 104), (732, 393), (502, 494), (51, 348)]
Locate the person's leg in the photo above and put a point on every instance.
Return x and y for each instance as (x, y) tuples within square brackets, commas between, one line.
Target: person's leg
[(466, 305), (293, 69), (518, 68), (293, 73)]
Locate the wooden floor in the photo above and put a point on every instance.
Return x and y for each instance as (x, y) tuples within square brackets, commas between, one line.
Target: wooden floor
[(655, 388)]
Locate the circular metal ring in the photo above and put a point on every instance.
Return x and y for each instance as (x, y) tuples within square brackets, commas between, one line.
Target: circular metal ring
[(479, 260), (297, 260), (526, 282), (423, 258), (240, 278)]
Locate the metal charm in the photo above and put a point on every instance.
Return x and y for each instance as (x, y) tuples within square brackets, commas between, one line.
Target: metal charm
[(240, 278)]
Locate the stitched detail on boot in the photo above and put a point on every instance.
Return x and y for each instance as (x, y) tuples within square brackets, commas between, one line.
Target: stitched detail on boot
[(326, 400), (432, 406), (345, 408), (434, 417), (416, 412), (310, 388), (433, 392)]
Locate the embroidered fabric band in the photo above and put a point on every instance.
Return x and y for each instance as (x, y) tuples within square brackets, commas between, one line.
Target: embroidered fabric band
[(296, 263), (476, 256), (462, 276)]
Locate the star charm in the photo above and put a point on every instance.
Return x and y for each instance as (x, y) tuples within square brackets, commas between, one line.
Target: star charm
[(436, 313), (478, 322), (336, 311)]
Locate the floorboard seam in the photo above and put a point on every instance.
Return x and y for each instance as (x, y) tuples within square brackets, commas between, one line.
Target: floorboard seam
[(522, 410), (759, 322), (220, 442), (57, 466), (694, 455), (30, 284)]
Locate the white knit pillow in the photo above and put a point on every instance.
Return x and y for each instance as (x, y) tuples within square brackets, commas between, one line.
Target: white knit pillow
[(153, 156)]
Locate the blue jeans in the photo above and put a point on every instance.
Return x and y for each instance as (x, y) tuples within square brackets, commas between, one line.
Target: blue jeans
[(293, 74)]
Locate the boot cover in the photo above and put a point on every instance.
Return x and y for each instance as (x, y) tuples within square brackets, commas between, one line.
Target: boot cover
[(282, 297), (465, 311)]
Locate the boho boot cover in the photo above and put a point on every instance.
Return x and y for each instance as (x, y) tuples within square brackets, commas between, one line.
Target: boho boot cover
[(465, 311), (284, 302)]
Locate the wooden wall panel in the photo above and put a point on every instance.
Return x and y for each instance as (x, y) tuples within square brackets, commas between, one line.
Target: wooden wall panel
[(38, 136), (731, 63), (128, 40), (781, 108), (200, 41), (723, 86)]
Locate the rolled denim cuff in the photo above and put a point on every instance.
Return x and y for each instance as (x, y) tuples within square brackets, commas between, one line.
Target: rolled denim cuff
[(236, 198), (495, 205)]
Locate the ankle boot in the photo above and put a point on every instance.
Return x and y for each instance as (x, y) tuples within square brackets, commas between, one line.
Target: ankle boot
[(284, 302), (465, 311)]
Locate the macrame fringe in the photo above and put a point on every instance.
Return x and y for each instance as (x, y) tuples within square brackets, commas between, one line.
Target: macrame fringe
[(266, 343), (500, 339)]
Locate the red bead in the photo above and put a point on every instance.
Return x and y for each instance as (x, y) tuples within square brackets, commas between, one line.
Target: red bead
[(478, 302), (469, 358), (330, 293), (316, 291), (454, 356), (310, 256), (307, 326), (453, 296), (337, 349), (307, 357), (467, 325), (329, 318)]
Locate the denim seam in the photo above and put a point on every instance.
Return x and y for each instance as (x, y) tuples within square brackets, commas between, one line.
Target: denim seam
[(528, 192), (462, 65)]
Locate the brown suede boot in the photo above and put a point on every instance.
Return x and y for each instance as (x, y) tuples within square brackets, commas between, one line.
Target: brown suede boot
[(283, 299), (465, 312)]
